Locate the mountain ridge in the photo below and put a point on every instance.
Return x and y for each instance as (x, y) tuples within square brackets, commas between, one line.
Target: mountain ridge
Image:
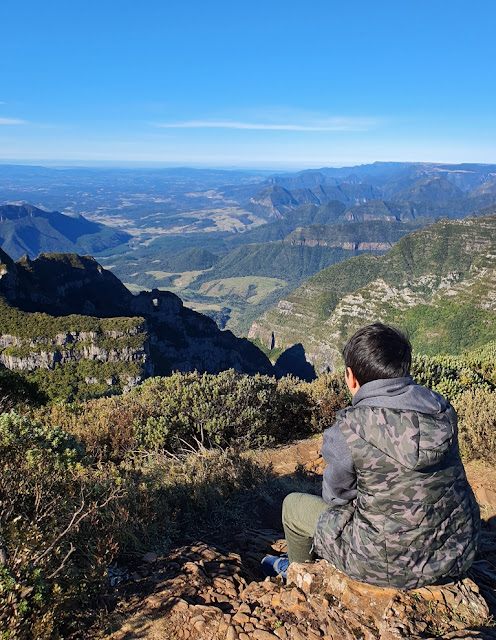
[(440, 282), (25, 229)]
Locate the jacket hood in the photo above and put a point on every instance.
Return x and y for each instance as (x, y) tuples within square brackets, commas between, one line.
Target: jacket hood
[(400, 393), (409, 423)]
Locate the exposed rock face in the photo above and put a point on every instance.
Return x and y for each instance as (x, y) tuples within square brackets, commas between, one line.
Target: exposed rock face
[(162, 336), (390, 614), (349, 245), (380, 210), (183, 340), (276, 199), (45, 353)]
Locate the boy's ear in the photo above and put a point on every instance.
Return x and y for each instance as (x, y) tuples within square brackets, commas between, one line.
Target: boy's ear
[(351, 381)]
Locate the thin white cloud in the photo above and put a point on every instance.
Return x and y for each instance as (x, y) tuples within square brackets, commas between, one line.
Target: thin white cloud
[(11, 121), (332, 124)]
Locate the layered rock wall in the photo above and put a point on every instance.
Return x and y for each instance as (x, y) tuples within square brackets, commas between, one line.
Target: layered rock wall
[(28, 354)]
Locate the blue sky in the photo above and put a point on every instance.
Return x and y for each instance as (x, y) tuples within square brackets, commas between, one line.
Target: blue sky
[(266, 84)]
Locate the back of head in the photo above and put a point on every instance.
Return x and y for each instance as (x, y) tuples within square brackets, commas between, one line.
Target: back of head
[(376, 352)]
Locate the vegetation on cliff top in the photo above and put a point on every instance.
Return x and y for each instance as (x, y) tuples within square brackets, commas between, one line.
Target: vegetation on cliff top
[(38, 336), (36, 326)]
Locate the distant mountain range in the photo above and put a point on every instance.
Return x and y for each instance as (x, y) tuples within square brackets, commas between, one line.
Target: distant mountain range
[(25, 229), (439, 283), (434, 192), (434, 189), (389, 177), (277, 199), (231, 244)]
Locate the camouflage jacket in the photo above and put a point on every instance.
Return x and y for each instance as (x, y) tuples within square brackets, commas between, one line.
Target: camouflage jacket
[(415, 519)]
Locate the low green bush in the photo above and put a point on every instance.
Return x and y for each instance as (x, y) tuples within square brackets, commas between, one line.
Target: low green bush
[(84, 379), (467, 381), (224, 409), (55, 526), (451, 375), (192, 409)]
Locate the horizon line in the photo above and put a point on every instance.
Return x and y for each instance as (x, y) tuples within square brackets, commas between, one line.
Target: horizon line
[(227, 165)]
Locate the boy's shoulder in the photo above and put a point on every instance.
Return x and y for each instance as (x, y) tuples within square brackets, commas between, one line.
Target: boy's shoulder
[(412, 438), (363, 416), (375, 415)]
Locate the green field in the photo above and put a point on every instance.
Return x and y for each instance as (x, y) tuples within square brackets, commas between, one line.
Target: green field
[(251, 288)]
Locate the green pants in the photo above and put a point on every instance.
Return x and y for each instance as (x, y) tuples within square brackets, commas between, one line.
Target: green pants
[(300, 512)]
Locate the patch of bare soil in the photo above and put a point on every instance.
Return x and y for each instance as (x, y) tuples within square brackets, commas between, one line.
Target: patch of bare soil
[(304, 454), (482, 478)]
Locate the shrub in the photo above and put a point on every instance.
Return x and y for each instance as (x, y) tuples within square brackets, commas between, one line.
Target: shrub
[(483, 360), (63, 520), (53, 535), (449, 375), (105, 425), (477, 424), (468, 381), (329, 394), (193, 409), (223, 409), (16, 392)]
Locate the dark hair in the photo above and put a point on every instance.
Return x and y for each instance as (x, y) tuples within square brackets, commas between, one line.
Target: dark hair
[(376, 352)]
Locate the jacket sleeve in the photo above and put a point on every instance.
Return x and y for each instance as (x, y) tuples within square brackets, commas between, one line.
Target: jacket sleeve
[(339, 481)]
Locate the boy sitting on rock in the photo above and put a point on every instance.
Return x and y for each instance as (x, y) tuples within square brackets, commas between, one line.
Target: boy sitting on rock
[(396, 508)]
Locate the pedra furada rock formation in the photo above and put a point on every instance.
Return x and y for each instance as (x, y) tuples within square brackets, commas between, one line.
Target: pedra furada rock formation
[(64, 308)]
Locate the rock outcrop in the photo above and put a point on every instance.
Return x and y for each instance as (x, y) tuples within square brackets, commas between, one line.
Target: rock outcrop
[(27, 354), (275, 200), (355, 609), (63, 309), (184, 340), (203, 592)]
